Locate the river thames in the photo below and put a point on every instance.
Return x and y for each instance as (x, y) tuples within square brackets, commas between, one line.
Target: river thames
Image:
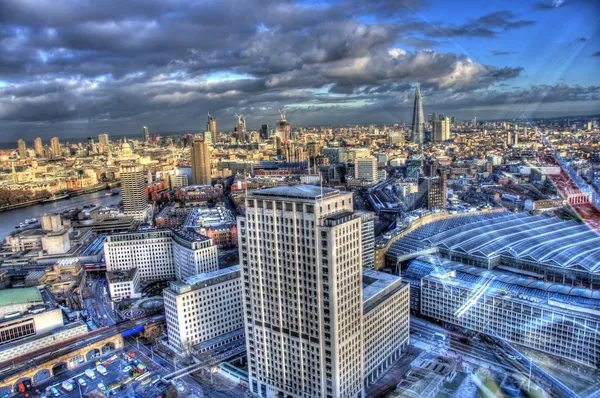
[(9, 219)]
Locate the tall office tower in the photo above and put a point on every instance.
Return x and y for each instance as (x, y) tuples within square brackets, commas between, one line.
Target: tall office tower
[(418, 120), (145, 134), (365, 169), (189, 139), (474, 122), (55, 147), (211, 125), (133, 191), (264, 132), (367, 238), (21, 148), (432, 117), (38, 147), (201, 169), (103, 139), (441, 130), (432, 192), (301, 260), (590, 126), (240, 128), (515, 138)]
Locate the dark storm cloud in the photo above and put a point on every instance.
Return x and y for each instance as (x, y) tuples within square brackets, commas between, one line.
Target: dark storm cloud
[(596, 54), (133, 62)]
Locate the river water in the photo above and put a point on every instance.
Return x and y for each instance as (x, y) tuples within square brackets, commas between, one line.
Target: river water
[(8, 219)]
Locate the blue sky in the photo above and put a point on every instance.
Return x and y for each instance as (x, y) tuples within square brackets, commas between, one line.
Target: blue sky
[(77, 68)]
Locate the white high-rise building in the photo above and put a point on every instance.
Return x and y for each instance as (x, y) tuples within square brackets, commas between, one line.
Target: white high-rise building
[(150, 251), (161, 254), (309, 333), (193, 254), (205, 310), (133, 191), (365, 169)]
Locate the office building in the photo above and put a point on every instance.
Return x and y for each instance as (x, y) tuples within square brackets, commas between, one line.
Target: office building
[(103, 139), (22, 148), (368, 238), (178, 180), (193, 253), (55, 149), (133, 191), (432, 192), (161, 254), (264, 132), (201, 158), (309, 333), (395, 137), (211, 126), (38, 147), (205, 311), (386, 322), (240, 129), (151, 252), (418, 120), (441, 130), (123, 284), (365, 169), (145, 134), (335, 154)]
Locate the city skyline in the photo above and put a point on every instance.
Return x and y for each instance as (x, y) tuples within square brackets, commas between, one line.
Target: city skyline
[(353, 64)]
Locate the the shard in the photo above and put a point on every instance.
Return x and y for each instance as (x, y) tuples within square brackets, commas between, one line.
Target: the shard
[(418, 120)]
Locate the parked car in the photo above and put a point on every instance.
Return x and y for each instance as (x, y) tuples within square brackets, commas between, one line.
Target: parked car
[(126, 369), (54, 392), (102, 387), (67, 386), (81, 382)]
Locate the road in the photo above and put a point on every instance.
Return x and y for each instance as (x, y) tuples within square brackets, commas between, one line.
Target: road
[(24, 362)]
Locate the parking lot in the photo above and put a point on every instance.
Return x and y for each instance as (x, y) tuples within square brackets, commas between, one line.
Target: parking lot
[(128, 374)]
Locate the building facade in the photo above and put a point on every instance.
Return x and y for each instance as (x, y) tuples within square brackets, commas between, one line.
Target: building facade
[(365, 169), (150, 251), (193, 254), (133, 187), (123, 284), (302, 268), (203, 308), (201, 168)]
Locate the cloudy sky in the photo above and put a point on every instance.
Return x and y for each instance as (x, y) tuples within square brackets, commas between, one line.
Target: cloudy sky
[(74, 68)]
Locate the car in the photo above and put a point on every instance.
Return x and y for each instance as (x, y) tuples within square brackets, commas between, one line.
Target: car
[(54, 392), (81, 382), (126, 369), (66, 385), (102, 387)]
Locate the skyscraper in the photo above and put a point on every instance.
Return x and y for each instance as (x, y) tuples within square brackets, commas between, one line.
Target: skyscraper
[(38, 147), (365, 169), (311, 329), (21, 148), (145, 134), (432, 192), (201, 171), (103, 139), (240, 128), (303, 301), (55, 147), (264, 132), (418, 119), (133, 191), (211, 126), (441, 130)]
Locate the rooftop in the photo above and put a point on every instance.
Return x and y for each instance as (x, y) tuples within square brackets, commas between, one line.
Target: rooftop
[(27, 295), (378, 286), (297, 192)]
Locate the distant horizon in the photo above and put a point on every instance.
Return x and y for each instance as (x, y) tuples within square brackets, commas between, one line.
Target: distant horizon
[(6, 144)]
